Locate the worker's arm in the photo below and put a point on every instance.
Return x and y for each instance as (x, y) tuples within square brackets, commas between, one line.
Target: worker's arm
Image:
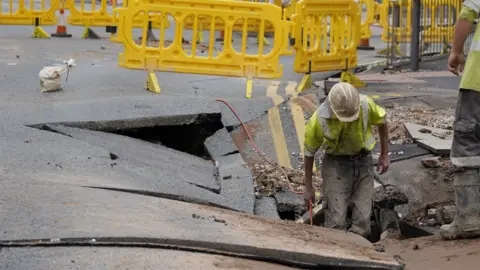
[(377, 116), (383, 160), (463, 28), (313, 141)]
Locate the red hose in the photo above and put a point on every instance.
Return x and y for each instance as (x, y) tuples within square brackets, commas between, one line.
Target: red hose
[(255, 147)]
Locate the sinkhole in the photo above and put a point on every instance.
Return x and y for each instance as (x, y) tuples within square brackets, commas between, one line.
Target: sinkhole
[(188, 138), (184, 135)]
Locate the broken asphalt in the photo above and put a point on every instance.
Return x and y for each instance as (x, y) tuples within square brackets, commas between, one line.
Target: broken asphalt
[(68, 180)]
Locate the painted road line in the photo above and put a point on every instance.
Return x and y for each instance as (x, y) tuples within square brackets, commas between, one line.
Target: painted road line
[(298, 116), (392, 94), (276, 127)]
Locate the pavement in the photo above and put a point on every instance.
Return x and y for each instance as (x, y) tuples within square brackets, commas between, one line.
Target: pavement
[(67, 179)]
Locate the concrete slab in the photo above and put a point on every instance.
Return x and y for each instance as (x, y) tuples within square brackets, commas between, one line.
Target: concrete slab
[(437, 146), (266, 207), (121, 258), (55, 158), (147, 157), (419, 132), (220, 144), (236, 182), (73, 214)]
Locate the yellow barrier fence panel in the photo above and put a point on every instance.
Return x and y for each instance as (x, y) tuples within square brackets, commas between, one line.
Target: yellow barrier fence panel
[(367, 11), (289, 10), (327, 33), (252, 26), (403, 30), (91, 13), (29, 12), (439, 18), (178, 56), (94, 14)]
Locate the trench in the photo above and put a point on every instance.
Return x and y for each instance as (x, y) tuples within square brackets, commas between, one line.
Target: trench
[(188, 138), (185, 136)]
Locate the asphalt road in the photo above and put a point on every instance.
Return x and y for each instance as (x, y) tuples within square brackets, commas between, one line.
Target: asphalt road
[(63, 182)]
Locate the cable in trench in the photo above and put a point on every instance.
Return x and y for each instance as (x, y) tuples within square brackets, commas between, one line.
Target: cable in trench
[(255, 147)]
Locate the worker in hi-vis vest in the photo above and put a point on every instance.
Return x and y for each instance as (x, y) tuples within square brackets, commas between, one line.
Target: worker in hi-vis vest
[(465, 150), (342, 128)]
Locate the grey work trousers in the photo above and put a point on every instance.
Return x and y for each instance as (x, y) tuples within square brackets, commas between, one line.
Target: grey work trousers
[(348, 182), (465, 151)]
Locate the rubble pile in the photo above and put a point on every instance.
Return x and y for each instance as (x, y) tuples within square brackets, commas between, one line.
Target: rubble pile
[(444, 164), (431, 118), (269, 179), (434, 216)]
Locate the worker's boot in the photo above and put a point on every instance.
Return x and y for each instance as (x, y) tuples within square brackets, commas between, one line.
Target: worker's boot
[(466, 223)]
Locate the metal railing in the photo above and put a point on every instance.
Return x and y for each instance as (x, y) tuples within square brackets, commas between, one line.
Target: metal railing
[(418, 30), (433, 26)]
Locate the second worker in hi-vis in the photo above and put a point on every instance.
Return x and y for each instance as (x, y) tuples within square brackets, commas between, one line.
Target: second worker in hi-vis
[(342, 127), (465, 151)]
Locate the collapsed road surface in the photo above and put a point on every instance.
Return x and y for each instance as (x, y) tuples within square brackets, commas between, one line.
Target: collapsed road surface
[(103, 175), (74, 184)]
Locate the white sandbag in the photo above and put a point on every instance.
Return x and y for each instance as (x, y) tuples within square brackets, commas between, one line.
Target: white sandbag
[(50, 77)]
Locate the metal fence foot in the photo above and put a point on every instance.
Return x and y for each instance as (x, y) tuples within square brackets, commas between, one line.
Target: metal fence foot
[(350, 78), (249, 88), (90, 34), (38, 32), (150, 36), (152, 83), (305, 83)]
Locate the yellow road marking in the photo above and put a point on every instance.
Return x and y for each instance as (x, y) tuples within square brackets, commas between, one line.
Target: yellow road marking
[(275, 123), (298, 117), (297, 114), (392, 94)]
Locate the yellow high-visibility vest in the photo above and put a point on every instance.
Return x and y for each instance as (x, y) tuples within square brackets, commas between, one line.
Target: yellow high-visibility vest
[(325, 131)]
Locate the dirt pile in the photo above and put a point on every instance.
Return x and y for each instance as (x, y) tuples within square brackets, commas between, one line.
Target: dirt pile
[(269, 179), (397, 116)]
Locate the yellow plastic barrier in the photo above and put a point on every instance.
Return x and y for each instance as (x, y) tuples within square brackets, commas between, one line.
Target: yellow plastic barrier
[(403, 31), (440, 17), (229, 61), (100, 14), (368, 19), (252, 26), (289, 10), (19, 13), (326, 34)]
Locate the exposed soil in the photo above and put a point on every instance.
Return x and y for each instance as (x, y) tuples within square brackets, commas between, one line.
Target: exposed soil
[(269, 179), (397, 116), (432, 253)]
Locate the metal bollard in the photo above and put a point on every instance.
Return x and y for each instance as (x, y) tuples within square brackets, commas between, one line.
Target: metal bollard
[(395, 26), (415, 46)]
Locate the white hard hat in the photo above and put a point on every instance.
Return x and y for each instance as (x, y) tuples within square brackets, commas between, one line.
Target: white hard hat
[(344, 101)]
